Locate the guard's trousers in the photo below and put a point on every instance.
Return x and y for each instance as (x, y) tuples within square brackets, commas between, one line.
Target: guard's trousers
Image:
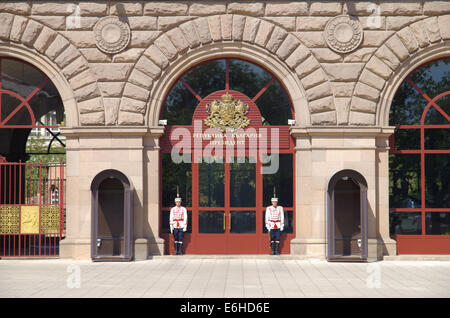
[(275, 235), (178, 235)]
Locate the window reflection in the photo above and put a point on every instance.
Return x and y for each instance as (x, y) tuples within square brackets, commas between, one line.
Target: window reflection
[(274, 106), (437, 223), (409, 223), (282, 181), (406, 139), (404, 175), (437, 180), (23, 79), (243, 183), (434, 116), (211, 222), (207, 78), (437, 139), (176, 175), (411, 105), (247, 78), (211, 183), (408, 104), (243, 222)]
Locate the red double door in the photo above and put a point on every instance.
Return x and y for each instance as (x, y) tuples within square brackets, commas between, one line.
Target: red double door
[(227, 212), (227, 193)]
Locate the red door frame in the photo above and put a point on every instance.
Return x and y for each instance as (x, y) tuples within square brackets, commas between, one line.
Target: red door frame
[(228, 243)]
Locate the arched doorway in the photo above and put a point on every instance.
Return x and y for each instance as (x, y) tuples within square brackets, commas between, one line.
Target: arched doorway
[(419, 161), (227, 124), (32, 168), (347, 216), (112, 216)]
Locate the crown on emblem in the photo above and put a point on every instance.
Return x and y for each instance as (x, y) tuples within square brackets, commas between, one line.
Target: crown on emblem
[(227, 98)]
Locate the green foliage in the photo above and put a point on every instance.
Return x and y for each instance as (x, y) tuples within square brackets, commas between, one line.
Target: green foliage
[(34, 174), (40, 145)]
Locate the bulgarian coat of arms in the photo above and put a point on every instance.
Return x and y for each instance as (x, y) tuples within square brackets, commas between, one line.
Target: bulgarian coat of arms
[(227, 114)]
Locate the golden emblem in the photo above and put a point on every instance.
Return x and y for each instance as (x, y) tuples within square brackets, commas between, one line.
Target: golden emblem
[(227, 114), (29, 219)]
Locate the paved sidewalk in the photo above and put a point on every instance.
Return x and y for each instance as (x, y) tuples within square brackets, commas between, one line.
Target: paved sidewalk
[(224, 278)]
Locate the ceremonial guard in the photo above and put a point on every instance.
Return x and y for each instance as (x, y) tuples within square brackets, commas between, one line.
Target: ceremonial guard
[(275, 224), (178, 224)]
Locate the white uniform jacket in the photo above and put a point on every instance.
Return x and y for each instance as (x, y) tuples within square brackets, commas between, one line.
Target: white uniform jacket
[(274, 218), (178, 218)]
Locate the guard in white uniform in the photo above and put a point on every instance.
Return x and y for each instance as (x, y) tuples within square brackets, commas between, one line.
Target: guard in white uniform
[(275, 224), (178, 224)]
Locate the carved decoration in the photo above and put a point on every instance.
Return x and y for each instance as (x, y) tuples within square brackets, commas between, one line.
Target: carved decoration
[(343, 33), (227, 114), (29, 219), (50, 219), (9, 219), (111, 35)]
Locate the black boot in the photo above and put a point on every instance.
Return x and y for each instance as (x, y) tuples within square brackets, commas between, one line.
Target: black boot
[(180, 244), (272, 245), (276, 248), (176, 248)]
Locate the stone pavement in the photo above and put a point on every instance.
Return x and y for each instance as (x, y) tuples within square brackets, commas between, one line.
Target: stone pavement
[(236, 278)]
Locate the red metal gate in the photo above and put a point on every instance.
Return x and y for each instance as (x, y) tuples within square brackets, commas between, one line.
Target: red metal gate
[(32, 208)]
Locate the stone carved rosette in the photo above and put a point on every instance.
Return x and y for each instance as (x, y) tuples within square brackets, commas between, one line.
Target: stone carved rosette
[(343, 34), (112, 35)]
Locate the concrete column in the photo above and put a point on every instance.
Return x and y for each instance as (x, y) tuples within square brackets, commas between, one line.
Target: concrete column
[(89, 152), (152, 190), (310, 239), (386, 245), (320, 153)]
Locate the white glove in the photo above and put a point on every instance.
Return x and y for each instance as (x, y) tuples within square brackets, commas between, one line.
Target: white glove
[(171, 229), (282, 228), (184, 229), (268, 229)]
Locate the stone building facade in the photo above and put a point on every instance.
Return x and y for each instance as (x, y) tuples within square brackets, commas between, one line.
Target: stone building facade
[(113, 94)]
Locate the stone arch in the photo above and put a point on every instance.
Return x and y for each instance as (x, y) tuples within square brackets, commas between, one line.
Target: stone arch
[(60, 60), (408, 48), (247, 37)]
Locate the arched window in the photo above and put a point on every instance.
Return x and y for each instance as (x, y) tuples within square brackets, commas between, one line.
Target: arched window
[(29, 105), (227, 74), (214, 104), (419, 161)]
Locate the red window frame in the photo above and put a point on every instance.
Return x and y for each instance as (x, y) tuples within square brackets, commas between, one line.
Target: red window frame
[(423, 243), (24, 100)]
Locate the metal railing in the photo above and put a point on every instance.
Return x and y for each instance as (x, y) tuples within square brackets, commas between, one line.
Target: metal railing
[(32, 209)]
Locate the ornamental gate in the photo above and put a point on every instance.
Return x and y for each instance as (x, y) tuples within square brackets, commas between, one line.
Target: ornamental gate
[(32, 209)]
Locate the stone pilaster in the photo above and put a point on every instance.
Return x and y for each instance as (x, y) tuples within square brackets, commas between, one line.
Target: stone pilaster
[(152, 181)]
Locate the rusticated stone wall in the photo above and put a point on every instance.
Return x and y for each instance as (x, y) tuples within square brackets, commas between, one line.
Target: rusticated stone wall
[(115, 89)]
